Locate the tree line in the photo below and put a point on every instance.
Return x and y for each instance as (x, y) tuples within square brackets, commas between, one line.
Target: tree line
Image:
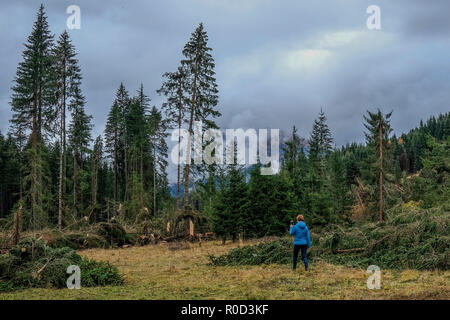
[(53, 168), (57, 173), (333, 185)]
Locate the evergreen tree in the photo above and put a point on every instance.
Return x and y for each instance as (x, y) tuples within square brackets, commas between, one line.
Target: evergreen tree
[(295, 163), (123, 102), (96, 167), (112, 143), (202, 90), (320, 145), (10, 180), (32, 104), (143, 133), (158, 134), (377, 138), (175, 107), (138, 151), (68, 76), (339, 188), (79, 138), (230, 207)]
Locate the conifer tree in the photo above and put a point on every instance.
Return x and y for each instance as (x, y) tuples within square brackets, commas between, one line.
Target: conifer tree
[(79, 138), (320, 146), (33, 102), (158, 133), (377, 138), (10, 173), (123, 102), (295, 163), (68, 77), (175, 108), (96, 167), (138, 150), (112, 143), (230, 210), (143, 133), (202, 90)]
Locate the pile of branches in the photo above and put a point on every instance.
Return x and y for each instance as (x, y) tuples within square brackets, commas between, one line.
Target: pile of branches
[(157, 230), (413, 238), (32, 263), (102, 235), (268, 252), (82, 235)]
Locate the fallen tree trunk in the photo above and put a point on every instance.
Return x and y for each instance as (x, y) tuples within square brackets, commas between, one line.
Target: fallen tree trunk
[(350, 250)]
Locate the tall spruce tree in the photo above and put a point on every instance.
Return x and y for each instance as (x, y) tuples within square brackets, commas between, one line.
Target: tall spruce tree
[(10, 173), (143, 132), (295, 163), (79, 137), (33, 102), (202, 90), (112, 143), (377, 137), (158, 134), (320, 145), (138, 151), (96, 167), (123, 102), (68, 76), (230, 209), (175, 108)]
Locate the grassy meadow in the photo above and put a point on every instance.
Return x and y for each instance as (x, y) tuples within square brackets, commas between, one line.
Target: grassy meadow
[(182, 271)]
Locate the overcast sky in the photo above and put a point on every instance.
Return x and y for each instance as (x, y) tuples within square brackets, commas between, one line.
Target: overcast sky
[(277, 61)]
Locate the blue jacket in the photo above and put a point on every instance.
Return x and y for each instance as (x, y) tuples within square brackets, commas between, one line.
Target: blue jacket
[(301, 234)]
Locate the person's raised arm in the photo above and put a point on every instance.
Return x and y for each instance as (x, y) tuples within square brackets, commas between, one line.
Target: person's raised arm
[(292, 230)]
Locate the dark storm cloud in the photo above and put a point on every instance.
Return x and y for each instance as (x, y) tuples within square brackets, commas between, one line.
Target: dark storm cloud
[(277, 62)]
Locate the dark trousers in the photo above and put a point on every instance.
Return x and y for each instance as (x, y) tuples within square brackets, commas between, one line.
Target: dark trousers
[(297, 248)]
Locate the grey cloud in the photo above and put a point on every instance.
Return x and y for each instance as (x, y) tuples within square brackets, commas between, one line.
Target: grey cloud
[(277, 62)]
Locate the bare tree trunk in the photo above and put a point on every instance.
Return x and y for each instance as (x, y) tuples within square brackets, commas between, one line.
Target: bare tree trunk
[(180, 114), (17, 225), (75, 182), (188, 149), (179, 156), (81, 191), (141, 165), (94, 185), (381, 169), (34, 159), (154, 181), (126, 160), (115, 170), (62, 155), (61, 164)]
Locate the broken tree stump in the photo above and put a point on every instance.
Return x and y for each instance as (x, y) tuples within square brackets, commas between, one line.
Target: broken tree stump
[(17, 225)]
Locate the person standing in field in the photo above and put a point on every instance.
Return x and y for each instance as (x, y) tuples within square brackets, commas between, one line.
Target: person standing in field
[(302, 240)]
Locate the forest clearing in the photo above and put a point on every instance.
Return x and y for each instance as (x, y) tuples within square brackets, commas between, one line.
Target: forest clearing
[(139, 187), (181, 270)]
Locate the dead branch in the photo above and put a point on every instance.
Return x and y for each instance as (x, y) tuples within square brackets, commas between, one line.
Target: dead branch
[(350, 250)]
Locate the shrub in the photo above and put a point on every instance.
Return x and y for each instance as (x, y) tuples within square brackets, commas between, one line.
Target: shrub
[(99, 273)]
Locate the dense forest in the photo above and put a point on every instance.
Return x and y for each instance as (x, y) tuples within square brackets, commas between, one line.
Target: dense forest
[(56, 173)]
